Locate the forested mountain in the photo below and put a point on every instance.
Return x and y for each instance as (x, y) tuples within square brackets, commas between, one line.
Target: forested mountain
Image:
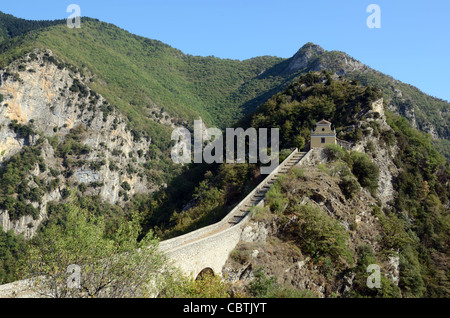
[(11, 26), (86, 117), (140, 76)]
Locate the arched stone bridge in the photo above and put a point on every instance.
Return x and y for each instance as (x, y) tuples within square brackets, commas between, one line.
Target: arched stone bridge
[(210, 246), (207, 248)]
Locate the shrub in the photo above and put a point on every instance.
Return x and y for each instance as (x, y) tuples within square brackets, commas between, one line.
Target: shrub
[(411, 281), (12, 249), (78, 87), (320, 235), (393, 232), (365, 171), (263, 286), (322, 167), (349, 185), (82, 187), (242, 253), (298, 172), (22, 131), (275, 199), (388, 137), (334, 152), (96, 165), (82, 239), (126, 186), (206, 286), (370, 148)]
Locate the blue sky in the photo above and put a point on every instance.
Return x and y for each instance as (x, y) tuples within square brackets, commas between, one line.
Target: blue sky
[(412, 45)]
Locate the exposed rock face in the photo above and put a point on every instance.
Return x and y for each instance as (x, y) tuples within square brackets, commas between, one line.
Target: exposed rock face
[(314, 58), (304, 57), (381, 154), (55, 103)]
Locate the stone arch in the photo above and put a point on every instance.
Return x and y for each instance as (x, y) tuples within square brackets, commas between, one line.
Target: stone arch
[(208, 271)]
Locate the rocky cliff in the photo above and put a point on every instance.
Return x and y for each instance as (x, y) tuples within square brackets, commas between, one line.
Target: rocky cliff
[(83, 142)]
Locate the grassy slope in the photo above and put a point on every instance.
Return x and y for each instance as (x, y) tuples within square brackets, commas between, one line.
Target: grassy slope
[(135, 71)]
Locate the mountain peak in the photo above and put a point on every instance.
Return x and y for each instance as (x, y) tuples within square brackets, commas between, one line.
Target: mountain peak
[(305, 56), (311, 47)]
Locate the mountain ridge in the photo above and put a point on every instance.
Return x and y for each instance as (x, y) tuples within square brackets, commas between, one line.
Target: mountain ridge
[(239, 93)]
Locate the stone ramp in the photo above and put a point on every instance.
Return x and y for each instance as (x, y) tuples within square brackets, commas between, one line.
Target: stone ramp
[(260, 195), (208, 247)]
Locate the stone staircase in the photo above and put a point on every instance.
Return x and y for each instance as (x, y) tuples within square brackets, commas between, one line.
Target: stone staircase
[(264, 187)]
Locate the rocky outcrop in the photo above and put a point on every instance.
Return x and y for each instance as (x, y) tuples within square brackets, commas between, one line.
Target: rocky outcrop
[(382, 154), (302, 59), (55, 103)]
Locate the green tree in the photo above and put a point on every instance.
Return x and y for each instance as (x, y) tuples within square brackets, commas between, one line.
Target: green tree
[(114, 267), (207, 286), (366, 257), (299, 142), (12, 249), (411, 281)]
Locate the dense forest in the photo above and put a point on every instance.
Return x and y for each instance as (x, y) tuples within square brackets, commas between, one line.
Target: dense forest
[(11, 26)]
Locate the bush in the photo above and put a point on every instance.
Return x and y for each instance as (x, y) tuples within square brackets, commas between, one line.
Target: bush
[(206, 286), (298, 172), (12, 249), (349, 185), (320, 235), (366, 257), (96, 165), (22, 131), (263, 286), (78, 87), (126, 186), (121, 259), (411, 281), (334, 152), (275, 199), (365, 171), (388, 137), (393, 232)]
